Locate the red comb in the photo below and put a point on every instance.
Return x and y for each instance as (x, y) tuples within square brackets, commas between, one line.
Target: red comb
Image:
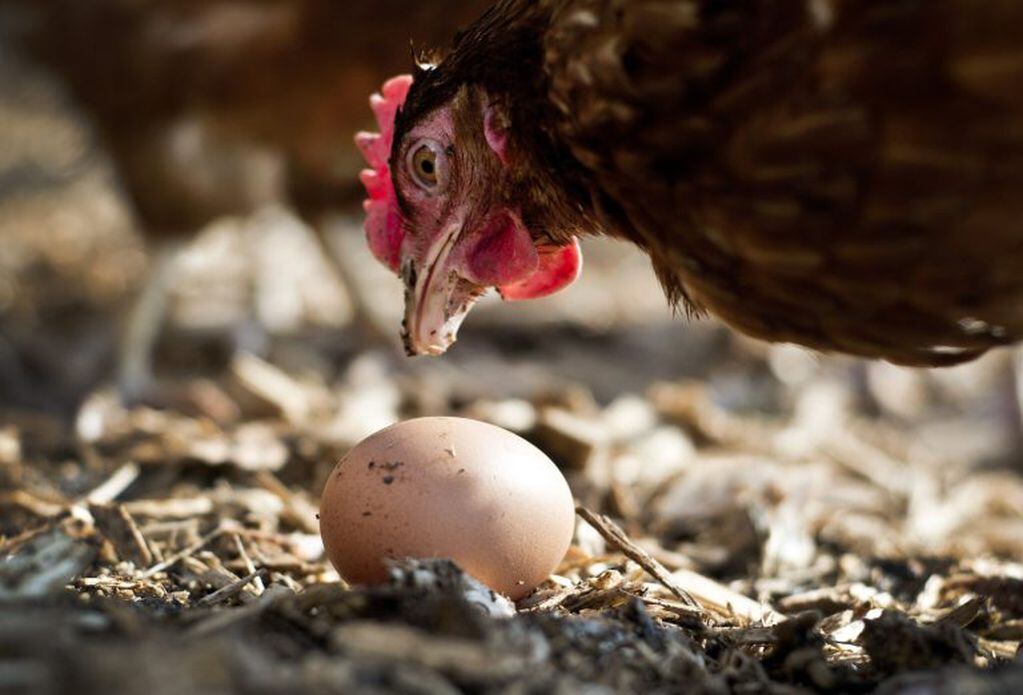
[(383, 224)]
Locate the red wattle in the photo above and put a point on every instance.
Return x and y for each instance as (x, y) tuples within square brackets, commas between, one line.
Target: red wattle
[(505, 253), (558, 268)]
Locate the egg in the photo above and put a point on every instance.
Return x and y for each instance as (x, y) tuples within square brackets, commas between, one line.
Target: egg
[(448, 487)]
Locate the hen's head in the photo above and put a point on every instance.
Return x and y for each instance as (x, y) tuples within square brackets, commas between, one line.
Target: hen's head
[(456, 207)]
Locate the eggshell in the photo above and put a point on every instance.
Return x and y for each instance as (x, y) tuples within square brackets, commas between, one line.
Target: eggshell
[(451, 488)]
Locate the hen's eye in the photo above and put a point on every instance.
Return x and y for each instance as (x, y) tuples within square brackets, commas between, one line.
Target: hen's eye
[(427, 164), (424, 164)]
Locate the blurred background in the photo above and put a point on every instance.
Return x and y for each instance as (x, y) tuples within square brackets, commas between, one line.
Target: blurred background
[(180, 224)]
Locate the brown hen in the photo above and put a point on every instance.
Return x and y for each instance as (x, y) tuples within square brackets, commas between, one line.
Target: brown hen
[(843, 174)]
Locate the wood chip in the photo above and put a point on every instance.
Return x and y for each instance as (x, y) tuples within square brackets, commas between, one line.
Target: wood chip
[(570, 439), (614, 535), (170, 508), (232, 589), (715, 596), (273, 385), (300, 511), (257, 582), (112, 488), (187, 552), (118, 527)]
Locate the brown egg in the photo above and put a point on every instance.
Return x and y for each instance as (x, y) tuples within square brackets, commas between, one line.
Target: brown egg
[(450, 488)]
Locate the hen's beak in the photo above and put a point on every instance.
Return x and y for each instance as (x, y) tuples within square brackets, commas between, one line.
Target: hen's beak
[(437, 299)]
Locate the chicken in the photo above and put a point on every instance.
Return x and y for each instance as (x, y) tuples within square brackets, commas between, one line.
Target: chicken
[(841, 174), (218, 107)]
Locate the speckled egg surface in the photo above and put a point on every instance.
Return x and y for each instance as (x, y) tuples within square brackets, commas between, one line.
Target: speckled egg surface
[(453, 488)]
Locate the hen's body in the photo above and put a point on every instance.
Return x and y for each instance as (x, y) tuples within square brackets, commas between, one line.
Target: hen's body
[(212, 107), (844, 174)]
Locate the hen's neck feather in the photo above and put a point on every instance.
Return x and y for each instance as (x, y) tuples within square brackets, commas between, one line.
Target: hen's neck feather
[(503, 54)]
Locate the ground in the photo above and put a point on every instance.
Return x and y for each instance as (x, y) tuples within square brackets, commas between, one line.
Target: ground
[(751, 518)]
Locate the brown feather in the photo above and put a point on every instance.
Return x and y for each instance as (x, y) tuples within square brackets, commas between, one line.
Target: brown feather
[(843, 179)]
